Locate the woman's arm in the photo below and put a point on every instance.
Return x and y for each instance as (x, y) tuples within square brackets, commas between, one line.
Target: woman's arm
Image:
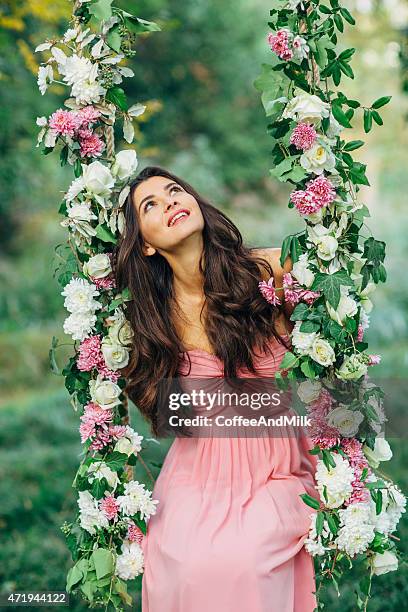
[(272, 256)]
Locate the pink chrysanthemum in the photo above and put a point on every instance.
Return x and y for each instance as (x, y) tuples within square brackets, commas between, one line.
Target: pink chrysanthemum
[(94, 416), (117, 431), (268, 291), (102, 438), (374, 360), (279, 43), (88, 115), (91, 144), (305, 202), (64, 122), (135, 534), (322, 190), (324, 440), (303, 136), (89, 354), (109, 507), (87, 431)]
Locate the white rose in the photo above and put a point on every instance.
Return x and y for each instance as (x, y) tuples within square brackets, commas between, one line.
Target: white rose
[(120, 330), (81, 212), (381, 452), (301, 271), (352, 368), (385, 562), (97, 179), (308, 391), (130, 444), (317, 159), (125, 164), (104, 393), (302, 341), (306, 108), (322, 352), (366, 303), (317, 216), (100, 470), (347, 307), (116, 356), (327, 247), (345, 421), (98, 266)]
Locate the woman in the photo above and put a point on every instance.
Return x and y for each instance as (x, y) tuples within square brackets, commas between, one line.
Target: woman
[(229, 528)]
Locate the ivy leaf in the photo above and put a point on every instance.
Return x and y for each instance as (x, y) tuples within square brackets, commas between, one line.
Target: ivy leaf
[(272, 84), (138, 25), (117, 96), (330, 284), (281, 168), (116, 460), (103, 561), (104, 234), (309, 327), (114, 39), (381, 102), (288, 361), (307, 369), (300, 313)]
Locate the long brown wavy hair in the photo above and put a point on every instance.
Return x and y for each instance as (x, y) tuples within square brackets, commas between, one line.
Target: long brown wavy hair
[(237, 319)]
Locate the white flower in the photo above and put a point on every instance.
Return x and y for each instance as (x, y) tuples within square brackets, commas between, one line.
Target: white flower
[(125, 164), (364, 319), (306, 108), (45, 77), (365, 301), (326, 245), (120, 330), (301, 271), (70, 34), (79, 325), (97, 179), (130, 563), (316, 217), (345, 420), (98, 266), (337, 481), (81, 212), (104, 393), (318, 158), (333, 130), (79, 294), (357, 529), (385, 562), (309, 390), (347, 307), (130, 443), (352, 368), (99, 470), (313, 543), (87, 92), (89, 514), (73, 68), (137, 499), (302, 341), (75, 188), (300, 48), (322, 352), (381, 452), (116, 356)]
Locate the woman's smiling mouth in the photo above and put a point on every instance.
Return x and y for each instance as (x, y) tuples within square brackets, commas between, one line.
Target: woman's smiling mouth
[(177, 216)]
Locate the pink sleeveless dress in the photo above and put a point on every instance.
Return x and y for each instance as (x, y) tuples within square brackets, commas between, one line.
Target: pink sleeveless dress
[(229, 529)]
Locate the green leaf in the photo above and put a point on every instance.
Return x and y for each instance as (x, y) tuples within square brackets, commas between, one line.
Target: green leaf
[(322, 45), (117, 96), (339, 22), (381, 102), (378, 502), (307, 369), (353, 145), (116, 460), (319, 522), (104, 234), (77, 168), (339, 114), (377, 117), (281, 168), (325, 9), (330, 284), (309, 327), (295, 249), (288, 361), (310, 501), (300, 313), (332, 524), (114, 39), (101, 9), (347, 53), (138, 25), (368, 120), (347, 16), (285, 250), (272, 84), (346, 69), (64, 155), (103, 561)]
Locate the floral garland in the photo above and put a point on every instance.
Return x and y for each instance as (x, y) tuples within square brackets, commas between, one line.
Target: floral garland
[(334, 272), (106, 538)]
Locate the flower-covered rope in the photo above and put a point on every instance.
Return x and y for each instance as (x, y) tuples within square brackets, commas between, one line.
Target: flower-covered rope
[(335, 270), (106, 538)]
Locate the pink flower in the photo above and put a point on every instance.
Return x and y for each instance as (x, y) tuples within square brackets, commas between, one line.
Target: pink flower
[(87, 430), (89, 354), (322, 190), (324, 440), (94, 416), (102, 438), (303, 136), (117, 431), (294, 293), (104, 283), (305, 202), (87, 115), (374, 360), (109, 507), (279, 43), (91, 144), (64, 122), (268, 291), (135, 534), (360, 333)]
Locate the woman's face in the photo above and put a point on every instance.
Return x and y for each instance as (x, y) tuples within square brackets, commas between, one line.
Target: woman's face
[(167, 213)]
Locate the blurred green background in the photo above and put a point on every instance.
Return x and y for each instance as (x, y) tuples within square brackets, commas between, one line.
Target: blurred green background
[(204, 121)]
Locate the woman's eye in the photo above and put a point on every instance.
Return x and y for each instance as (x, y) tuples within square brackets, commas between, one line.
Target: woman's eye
[(147, 204), (175, 187)]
